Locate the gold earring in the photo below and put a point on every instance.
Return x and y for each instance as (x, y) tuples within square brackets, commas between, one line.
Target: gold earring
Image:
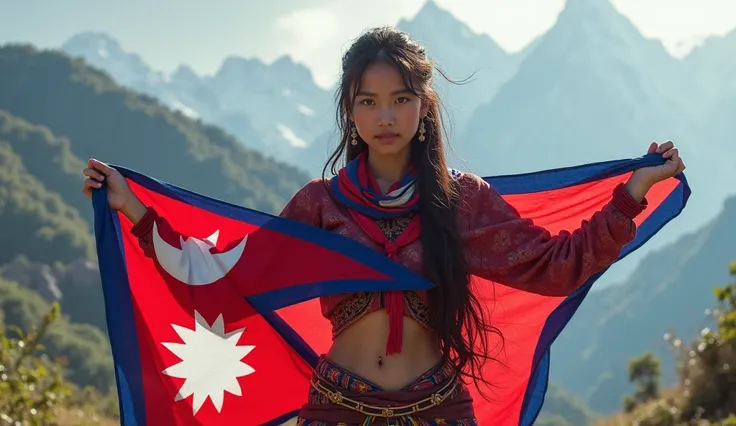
[(354, 136), (422, 130)]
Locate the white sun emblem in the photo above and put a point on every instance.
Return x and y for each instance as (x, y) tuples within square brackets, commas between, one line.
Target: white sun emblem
[(210, 362)]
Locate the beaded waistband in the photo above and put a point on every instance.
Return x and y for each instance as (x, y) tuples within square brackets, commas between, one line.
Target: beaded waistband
[(336, 397), (337, 385)]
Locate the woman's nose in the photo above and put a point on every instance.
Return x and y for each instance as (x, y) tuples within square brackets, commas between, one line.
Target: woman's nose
[(387, 117)]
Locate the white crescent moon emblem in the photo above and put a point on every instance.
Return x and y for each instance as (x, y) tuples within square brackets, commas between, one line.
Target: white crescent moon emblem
[(194, 264)]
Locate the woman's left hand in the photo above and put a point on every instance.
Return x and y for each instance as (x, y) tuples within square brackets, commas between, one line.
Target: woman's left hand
[(644, 178)]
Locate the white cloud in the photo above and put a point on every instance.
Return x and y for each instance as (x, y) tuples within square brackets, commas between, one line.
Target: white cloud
[(313, 31), (311, 28), (320, 35)]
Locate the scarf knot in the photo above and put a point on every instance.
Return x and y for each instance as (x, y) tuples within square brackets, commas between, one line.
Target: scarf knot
[(391, 249)]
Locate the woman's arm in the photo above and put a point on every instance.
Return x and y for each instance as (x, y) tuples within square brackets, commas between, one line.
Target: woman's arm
[(506, 248)]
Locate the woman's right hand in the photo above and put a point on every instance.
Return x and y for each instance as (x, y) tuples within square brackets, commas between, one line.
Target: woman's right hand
[(119, 195), (118, 191)]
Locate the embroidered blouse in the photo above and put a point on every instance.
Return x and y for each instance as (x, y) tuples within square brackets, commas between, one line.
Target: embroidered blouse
[(499, 245)]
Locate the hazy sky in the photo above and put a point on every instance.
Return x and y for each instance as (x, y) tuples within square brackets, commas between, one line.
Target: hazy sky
[(167, 33)]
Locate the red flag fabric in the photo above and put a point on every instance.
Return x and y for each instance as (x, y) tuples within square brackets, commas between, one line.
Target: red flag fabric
[(223, 326)]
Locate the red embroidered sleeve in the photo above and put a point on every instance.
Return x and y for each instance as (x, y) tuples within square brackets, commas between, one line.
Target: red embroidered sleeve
[(506, 248), (143, 229), (304, 206)]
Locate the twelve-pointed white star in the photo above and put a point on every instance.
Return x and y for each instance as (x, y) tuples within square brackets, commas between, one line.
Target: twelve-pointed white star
[(210, 362)]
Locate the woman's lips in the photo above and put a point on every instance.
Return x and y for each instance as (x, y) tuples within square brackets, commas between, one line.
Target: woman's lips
[(387, 137)]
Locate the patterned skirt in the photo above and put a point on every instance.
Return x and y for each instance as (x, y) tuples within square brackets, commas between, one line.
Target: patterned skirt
[(338, 397)]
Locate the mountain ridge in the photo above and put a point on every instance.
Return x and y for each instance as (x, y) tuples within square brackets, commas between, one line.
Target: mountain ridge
[(106, 126), (594, 89), (244, 95)]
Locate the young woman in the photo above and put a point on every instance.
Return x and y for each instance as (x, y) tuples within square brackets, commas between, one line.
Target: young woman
[(396, 195)]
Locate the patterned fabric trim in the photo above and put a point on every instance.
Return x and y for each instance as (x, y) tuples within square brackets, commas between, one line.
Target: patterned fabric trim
[(356, 306), (394, 422), (343, 379)]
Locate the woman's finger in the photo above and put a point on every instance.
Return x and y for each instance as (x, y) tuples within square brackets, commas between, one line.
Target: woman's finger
[(672, 153), (91, 183), (93, 174), (101, 167), (665, 147)]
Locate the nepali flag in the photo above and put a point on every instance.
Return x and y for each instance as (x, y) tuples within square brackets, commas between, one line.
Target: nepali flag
[(223, 325)]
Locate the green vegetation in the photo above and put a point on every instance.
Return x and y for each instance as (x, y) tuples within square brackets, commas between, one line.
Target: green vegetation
[(645, 372), (83, 347), (33, 388), (706, 367)]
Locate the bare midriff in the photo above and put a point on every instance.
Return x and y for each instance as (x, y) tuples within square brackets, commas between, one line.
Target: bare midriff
[(361, 349)]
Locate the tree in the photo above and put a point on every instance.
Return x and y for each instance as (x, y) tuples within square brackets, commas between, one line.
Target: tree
[(645, 371)]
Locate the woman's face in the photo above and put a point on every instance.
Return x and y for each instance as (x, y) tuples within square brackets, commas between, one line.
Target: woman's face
[(385, 112)]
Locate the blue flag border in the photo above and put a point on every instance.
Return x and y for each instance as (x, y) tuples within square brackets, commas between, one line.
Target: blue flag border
[(119, 310), (119, 306), (555, 179)]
